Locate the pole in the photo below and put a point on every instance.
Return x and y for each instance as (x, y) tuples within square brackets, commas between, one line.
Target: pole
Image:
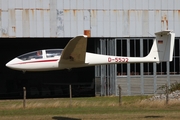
[(167, 92), (70, 93), (24, 100), (120, 100)]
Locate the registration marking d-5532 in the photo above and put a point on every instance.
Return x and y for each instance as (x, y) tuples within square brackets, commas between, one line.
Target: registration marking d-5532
[(118, 59)]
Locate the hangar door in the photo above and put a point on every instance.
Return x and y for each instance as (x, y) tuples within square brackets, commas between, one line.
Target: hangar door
[(105, 75)]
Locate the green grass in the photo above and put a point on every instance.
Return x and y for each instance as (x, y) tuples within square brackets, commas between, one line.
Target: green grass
[(133, 107)]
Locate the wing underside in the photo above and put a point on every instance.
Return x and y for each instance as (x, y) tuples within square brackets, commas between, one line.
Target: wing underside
[(75, 51)]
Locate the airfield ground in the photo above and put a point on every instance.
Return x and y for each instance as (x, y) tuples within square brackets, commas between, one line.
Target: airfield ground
[(90, 108)]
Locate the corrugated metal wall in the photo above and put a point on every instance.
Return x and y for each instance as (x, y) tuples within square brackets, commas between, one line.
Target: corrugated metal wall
[(149, 83), (96, 18)]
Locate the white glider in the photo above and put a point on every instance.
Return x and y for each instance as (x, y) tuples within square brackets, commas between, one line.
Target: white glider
[(74, 55)]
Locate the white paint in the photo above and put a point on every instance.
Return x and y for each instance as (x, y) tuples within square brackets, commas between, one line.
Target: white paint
[(161, 51)]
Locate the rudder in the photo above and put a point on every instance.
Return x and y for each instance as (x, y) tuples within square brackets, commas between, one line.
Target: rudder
[(163, 46)]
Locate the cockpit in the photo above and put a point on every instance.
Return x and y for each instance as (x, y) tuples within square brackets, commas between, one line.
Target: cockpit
[(39, 54)]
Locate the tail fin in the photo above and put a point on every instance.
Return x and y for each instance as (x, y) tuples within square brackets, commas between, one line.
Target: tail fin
[(163, 46)]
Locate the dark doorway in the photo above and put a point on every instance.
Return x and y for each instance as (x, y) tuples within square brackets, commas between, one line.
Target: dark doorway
[(42, 84)]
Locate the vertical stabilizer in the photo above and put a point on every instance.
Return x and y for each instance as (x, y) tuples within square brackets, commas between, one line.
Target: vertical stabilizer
[(163, 46)]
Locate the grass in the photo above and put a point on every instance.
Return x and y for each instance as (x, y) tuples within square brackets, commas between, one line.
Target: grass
[(133, 107)]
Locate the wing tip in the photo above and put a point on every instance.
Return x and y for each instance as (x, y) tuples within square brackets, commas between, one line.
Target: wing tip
[(83, 36)]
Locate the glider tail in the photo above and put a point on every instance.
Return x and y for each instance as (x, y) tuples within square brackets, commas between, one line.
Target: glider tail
[(163, 46)]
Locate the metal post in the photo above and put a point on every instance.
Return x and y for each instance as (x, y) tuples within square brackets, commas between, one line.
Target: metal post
[(128, 68), (167, 92), (120, 98), (24, 100), (168, 78), (70, 93), (155, 77), (142, 68), (115, 68)]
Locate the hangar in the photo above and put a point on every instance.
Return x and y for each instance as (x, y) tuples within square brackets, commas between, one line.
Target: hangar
[(118, 27)]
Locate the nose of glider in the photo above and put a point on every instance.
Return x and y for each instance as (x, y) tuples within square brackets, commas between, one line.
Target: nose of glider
[(7, 64), (11, 64)]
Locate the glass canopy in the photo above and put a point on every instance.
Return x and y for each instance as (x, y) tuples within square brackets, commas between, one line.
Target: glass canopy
[(49, 53)]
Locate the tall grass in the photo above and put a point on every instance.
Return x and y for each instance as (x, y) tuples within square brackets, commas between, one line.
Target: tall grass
[(127, 101)]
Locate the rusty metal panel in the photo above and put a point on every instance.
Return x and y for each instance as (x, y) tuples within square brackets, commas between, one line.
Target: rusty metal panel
[(12, 24), (4, 4), (86, 19), (32, 4), (26, 26), (19, 4), (80, 4), (138, 24), (132, 5), (164, 4), (19, 30), (147, 18), (87, 32), (67, 22), (80, 20), (132, 23), (46, 26), (60, 18), (26, 4), (139, 4), (100, 4), (176, 4), (60, 22), (157, 20), (119, 4), (177, 22), (113, 4), (94, 23), (145, 4), (164, 20), (45, 4), (151, 23), (73, 24), (66, 4), (0, 22), (100, 24), (151, 4), (4, 21), (73, 4), (11, 4), (106, 24), (40, 23), (113, 23), (119, 26), (39, 4), (170, 19), (53, 19), (126, 24), (106, 4), (157, 4), (170, 4), (126, 5), (87, 4), (60, 4), (32, 23), (93, 4)]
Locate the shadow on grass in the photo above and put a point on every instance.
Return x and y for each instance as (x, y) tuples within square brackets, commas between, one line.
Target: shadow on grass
[(64, 118), (153, 116)]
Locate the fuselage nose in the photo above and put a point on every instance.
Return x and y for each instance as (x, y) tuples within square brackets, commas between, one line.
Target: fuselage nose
[(11, 64), (8, 64)]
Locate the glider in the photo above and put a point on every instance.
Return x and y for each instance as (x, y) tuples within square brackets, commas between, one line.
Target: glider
[(74, 55)]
